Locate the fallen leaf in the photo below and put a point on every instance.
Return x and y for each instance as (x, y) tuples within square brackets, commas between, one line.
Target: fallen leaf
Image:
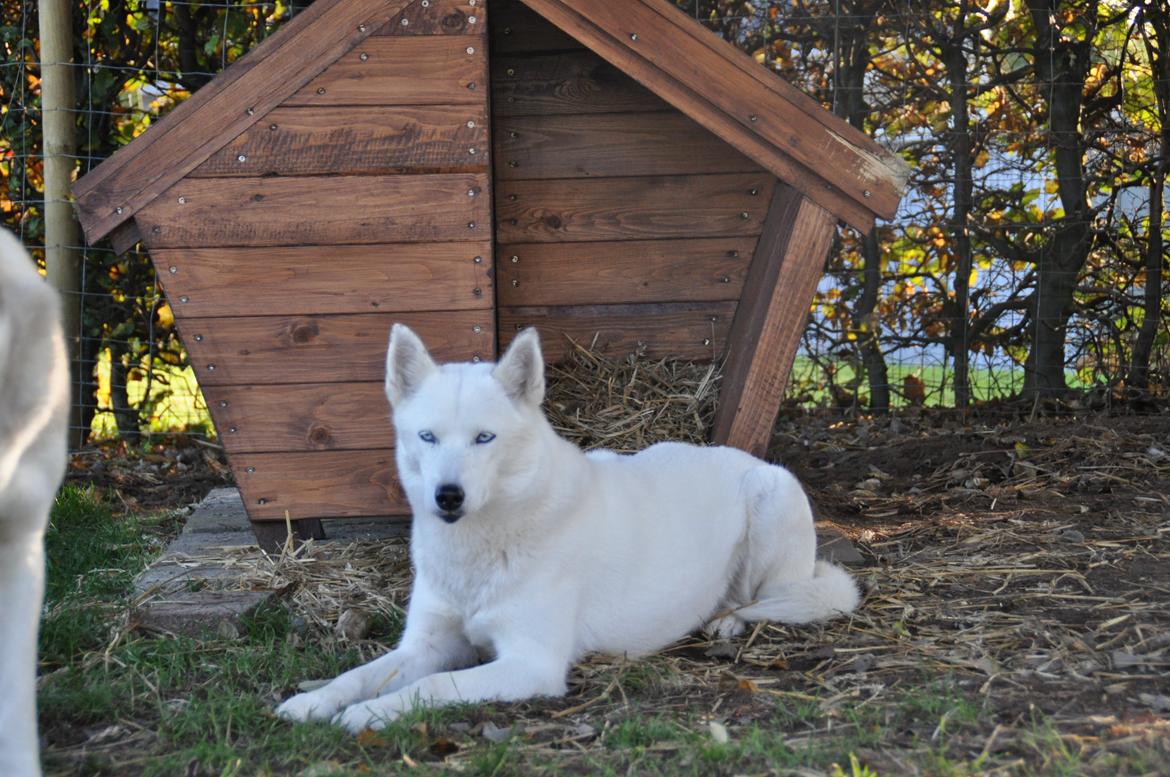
[(719, 732)]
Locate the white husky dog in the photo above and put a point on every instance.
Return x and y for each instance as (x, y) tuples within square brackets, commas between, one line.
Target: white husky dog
[(531, 552), (34, 406)]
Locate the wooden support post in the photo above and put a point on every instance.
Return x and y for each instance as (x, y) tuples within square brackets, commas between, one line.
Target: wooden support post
[(62, 235), (765, 334)]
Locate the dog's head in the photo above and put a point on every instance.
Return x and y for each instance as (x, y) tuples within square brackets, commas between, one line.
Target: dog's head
[(465, 431)]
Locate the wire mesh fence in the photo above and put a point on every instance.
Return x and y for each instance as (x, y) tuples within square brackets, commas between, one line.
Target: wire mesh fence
[(1026, 260)]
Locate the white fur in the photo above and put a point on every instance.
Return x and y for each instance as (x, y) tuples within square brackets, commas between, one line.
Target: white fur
[(558, 553), (34, 405)]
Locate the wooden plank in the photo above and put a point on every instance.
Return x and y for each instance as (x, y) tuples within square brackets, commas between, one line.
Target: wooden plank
[(695, 331), (622, 144), (366, 140), (321, 484), (619, 272), (253, 350), (568, 83), (516, 29), (408, 70), (206, 212), (765, 335), (290, 280), (125, 236), (134, 175), (300, 417), (439, 17), (646, 208), (817, 158)]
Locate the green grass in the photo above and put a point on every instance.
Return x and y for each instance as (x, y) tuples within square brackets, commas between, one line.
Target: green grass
[(170, 706)]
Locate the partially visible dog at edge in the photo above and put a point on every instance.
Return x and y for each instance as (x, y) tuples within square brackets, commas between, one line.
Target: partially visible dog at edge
[(34, 407), (529, 554)]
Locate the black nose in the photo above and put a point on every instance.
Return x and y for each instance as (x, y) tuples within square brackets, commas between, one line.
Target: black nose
[(449, 497)]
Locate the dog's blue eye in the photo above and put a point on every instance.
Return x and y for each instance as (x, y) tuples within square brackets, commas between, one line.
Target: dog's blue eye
[(427, 436), (484, 437)]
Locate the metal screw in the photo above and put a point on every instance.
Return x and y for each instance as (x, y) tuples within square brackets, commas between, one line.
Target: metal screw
[(472, 192), (198, 338), (725, 279), (511, 71), (184, 300), (513, 134), (211, 368), (753, 118), (471, 150), (471, 3), (118, 210), (232, 429), (477, 291), (515, 284), (513, 197), (405, 22), (470, 50), (633, 36), (471, 124), (426, 3), (363, 56), (733, 254), (172, 269), (706, 341), (478, 260), (241, 158), (477, 329), (320, 90), (867, 193), (361, 28), (475, 359), (250, 111), (182, 200), (223, 403), (155, 229), (753, 191), (272, 127), (745, 215), (262, 501), (471, 20), (513, 163), (515, 259), (471, 225), (249, 470), (471, 86), (507, 30)]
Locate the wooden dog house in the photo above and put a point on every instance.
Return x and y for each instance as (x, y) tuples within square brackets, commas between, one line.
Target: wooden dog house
[(594, 168)]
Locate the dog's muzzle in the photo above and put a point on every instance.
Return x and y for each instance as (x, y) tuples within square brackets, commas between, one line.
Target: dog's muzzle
[(449, 498)]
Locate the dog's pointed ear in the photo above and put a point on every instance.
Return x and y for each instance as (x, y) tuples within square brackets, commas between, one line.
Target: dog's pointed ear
[(407, 364), (521, 369)]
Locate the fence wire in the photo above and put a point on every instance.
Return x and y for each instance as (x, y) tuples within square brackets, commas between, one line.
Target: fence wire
[(1003, 238)]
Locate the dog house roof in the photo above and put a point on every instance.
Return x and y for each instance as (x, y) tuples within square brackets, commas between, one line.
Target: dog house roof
[(652, 41)]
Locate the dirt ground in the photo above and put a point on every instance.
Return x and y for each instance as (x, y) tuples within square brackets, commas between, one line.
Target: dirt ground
[(1017, 601)]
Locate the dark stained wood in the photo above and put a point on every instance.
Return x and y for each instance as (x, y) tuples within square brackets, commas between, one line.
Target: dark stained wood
[(648, 208), (782, 281), (833, 163), (307, 280), (516, 29), (125, 236), (686, 330), (406, 70), (623, 272), (207, 212), (622, 144), (366, 140), (253, 350), (300, 417), (136, 174), (272, 535), (321, 484), (439, 17), (568, 83)]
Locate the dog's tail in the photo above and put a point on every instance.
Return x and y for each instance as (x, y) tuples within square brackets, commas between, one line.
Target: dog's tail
[(831, 591)]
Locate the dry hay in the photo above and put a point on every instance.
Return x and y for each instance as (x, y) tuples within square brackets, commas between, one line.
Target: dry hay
[(999, 576)]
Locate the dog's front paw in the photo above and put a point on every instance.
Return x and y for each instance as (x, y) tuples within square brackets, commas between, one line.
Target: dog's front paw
[(725, 628), (313, 705), (374, 714)]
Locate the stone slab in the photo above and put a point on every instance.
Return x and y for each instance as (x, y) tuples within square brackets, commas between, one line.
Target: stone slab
[(195, 613)]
